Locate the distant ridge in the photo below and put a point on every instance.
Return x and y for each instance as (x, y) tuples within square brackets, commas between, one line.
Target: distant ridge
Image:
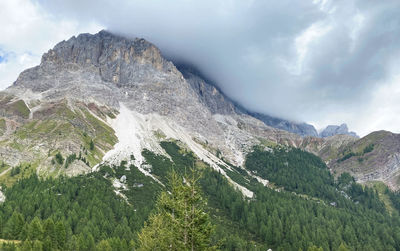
[(331, 130)]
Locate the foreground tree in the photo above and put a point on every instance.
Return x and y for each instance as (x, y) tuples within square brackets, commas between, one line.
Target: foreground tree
[(180, 222)]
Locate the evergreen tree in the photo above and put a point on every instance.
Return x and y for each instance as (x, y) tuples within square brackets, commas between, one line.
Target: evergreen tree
[(49, 232), (314, 248), (91, 145), (343, 247), (35, 230), (14, 226), (180, 222), (26, 246), (37, 245), (47, 244), (90, 245), (60, 234), (103, 246)]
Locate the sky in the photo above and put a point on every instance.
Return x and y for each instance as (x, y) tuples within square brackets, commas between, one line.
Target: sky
[(322, 62)]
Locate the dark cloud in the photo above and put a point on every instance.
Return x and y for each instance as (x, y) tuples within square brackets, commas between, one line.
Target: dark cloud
[(304, 60)]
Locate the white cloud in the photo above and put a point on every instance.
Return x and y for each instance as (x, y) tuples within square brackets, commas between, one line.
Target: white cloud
[(27, 32), (303, 43), (383, 111)]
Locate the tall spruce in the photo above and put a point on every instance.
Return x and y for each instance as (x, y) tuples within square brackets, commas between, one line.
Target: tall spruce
[(180, 222)]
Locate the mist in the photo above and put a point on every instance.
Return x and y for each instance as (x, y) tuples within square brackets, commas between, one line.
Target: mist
[(322, 62)]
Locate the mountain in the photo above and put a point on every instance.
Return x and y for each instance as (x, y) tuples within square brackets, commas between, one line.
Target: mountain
[(335, 130), (104, 98), (302, 129), (88, 137), (219, 103), (105, 89)]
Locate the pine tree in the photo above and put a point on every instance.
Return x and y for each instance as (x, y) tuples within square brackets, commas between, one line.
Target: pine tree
[(47, 244), (343, 247), (14, 226), (315, 248), (49, 232), (103, 246), (35, 230), (73, 244), (180, 222), (37, 245), (60, 234), (23, 235), (91, 145), (26, 246), (90, 242)]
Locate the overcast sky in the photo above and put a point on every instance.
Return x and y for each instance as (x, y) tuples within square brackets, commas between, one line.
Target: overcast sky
[(322, 62)]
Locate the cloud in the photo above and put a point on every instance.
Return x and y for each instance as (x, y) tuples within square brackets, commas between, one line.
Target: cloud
[(320, 61), (27, 32), (2, 56)]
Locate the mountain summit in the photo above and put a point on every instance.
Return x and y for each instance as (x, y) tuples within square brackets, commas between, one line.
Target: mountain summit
[(334, 130)]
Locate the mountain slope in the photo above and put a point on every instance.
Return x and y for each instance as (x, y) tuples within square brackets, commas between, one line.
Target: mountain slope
[(108, 70), (110, 73), (48, 128), (105, 98), (302, 209), (117, 116), (375, 157)]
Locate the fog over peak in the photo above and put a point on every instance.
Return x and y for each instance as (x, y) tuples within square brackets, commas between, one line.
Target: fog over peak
[(322, 62)]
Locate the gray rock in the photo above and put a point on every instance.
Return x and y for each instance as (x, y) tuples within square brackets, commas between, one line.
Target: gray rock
[(332, 130), (2, 196), (208, 92)]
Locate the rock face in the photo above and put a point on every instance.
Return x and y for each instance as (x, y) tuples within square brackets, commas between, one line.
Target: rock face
[(95, 66), (335, 130), (209, 94)]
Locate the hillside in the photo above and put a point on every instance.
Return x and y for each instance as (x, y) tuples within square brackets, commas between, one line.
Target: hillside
[(374, 157), (289, 213), (94, 130)]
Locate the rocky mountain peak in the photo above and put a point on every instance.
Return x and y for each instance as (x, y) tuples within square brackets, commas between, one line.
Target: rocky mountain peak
[(332, 130), (104, 67), (115, 56)]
